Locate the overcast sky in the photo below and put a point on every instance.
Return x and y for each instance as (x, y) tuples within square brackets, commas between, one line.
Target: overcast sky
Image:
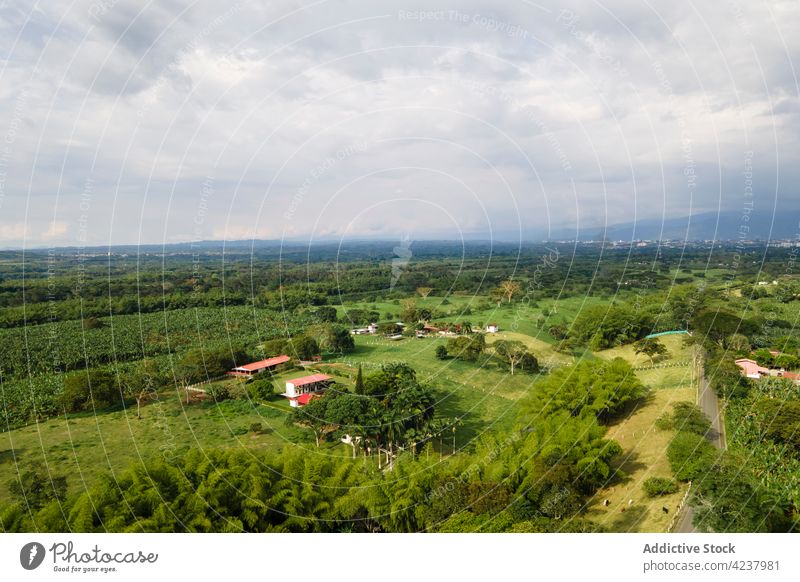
[(127, 121)]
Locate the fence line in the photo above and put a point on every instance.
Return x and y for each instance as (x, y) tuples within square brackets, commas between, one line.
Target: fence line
[(677, 514), (195, 387), (681, 364)]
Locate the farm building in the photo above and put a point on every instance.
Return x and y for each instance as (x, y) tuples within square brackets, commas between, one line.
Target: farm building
[(492, 328), (426, 330), (250, 370), (370, 329), (300, 390), (751, 369)]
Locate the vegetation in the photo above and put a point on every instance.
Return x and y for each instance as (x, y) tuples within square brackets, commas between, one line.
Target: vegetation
[(518, 431), (658, 486)]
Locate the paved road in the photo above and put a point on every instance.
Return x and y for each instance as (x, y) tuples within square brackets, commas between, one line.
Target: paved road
[(709, 404)]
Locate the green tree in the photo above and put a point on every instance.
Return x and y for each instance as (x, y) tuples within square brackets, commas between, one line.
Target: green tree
[(424, 291), (658, 486), (600, 389), (334, 339), (650, 347), (91, 389), (779, 420), (467, 347), (515, 353), (313, 416), (359, 385), (410, 312), (261, 389), (606, 326), (690, 456), (276, 347), (143, 383), (325, 314), (728, 499), (305, 347), (389, 328), (441, 352), (717, 325), (204, 364), (688, 417)]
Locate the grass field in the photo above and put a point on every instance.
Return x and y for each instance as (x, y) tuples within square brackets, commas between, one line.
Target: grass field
[(517, 317), (82, 446), (644, 446), (483, 395)]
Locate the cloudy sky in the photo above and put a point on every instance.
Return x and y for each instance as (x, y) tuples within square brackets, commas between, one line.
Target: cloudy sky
[(134, 122)]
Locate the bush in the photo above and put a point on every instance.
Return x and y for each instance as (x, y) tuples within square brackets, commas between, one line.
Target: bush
[(441, 352), (95, 388), (664, 422), (690, 456), (688, 417), (218, 392), (657, 486), (260, 389), (256, 428), (467, 347)]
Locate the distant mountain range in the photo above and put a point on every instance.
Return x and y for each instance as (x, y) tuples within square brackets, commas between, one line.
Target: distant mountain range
[(723, 226)]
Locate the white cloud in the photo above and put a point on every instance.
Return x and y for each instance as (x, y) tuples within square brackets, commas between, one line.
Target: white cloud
[(13, 232), (56, 229), (490, 113)]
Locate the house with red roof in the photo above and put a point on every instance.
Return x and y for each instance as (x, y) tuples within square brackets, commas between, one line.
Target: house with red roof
[(793, 376), (249, 370), (300, 391), (751, 369)]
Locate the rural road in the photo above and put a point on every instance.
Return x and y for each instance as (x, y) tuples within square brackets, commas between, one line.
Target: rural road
[(709, 404)]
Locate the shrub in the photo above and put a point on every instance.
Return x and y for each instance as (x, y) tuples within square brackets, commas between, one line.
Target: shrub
[(218, 392), (441, 352), (690, 456), (688, 417), (664, 422), (260, 389), (256, 428), (95, 388), (657, 486)]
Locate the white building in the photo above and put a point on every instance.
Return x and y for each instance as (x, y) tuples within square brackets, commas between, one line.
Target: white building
[(300, 390)]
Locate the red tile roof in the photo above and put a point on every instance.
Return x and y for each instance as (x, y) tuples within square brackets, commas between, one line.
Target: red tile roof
[(750, 367), (309, 379), (264, 363), (304, 399)]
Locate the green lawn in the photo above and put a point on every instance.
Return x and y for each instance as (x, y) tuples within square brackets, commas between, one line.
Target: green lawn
[(482, 394), (644, 446), (516, 317), (83, 446)]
